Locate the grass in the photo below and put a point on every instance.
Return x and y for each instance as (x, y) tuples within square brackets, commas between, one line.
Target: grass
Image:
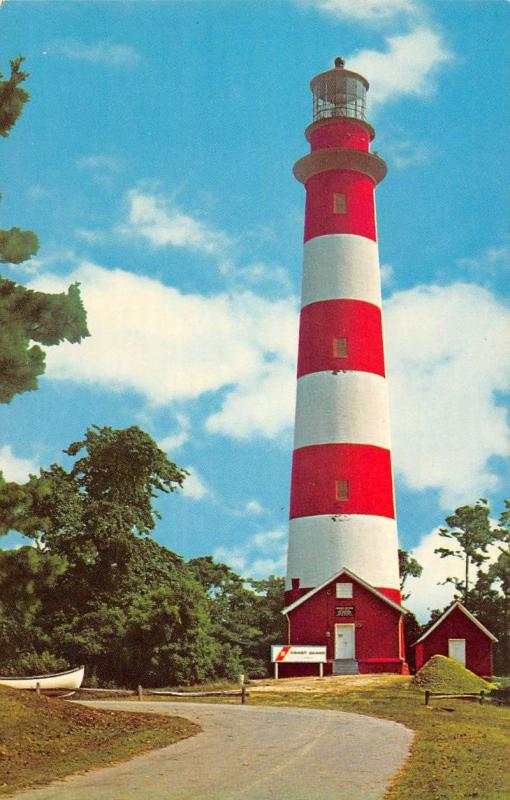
[(460, 749), (42, 739)]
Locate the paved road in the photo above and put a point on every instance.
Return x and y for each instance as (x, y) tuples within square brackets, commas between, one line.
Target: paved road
[(251, 753)]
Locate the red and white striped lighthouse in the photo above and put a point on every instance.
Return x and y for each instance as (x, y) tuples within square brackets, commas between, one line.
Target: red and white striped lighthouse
[(342, 510)]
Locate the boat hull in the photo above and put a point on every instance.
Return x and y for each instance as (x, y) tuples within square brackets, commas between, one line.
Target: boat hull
[(70, 679)]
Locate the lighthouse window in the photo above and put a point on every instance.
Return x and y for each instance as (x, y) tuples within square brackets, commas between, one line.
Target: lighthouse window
[(342, 490), (339, 204), (340, 348), (343, 590)]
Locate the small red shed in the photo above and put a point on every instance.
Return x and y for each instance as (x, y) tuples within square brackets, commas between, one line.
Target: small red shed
[(360, 626), (459, 635)]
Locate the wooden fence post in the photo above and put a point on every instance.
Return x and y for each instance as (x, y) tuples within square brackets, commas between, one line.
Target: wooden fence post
[(38, 689), (140, 693), (427, 697), (482, 696), (243, 694)]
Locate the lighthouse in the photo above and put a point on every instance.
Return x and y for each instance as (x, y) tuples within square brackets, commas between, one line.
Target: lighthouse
[(342, 588)]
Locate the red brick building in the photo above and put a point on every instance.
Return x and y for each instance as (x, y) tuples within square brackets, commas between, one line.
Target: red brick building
[(459, 635), (361, 627)]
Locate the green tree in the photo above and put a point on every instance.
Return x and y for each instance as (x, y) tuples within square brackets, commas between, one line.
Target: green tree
[(268, 602), (469, 527), (127, 607), (229, 606), (27, 577), (27, 316), (488, 596), (408, 566), (245, 613), (491, 595)]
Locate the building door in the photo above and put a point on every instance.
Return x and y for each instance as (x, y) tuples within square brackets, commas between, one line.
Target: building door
[(344, 641), (457, 650)]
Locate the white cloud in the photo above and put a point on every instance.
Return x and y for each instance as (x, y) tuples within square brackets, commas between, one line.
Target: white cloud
[(162, 223), (195, 486), (447, 350), (100, 162), (167, 345), (259, 556), (406, 153), (15, 468), (260, 273), (425, 593), (159, 220), (253, 507), (387, 274), (263, 404), (176, 440), (406, 68), (448, 356), (104, 53), (91, 237), (371, 11), (47, 257), (492, 259)]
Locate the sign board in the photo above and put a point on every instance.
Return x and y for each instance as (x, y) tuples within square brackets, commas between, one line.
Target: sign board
[(344, 611), (298, 653)]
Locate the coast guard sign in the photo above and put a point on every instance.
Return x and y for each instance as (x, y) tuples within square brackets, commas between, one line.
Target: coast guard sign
[(296, 653)]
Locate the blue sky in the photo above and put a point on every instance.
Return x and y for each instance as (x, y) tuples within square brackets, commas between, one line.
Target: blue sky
[(154, 161)]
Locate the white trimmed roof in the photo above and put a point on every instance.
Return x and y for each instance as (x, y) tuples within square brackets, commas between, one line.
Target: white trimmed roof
[(344, 571), (456, 604)]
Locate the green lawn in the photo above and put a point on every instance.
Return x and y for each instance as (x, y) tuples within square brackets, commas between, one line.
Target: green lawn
[(42, 739), (461, 749)]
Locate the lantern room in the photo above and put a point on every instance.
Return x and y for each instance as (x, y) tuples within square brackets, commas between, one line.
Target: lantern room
[(339, 93)]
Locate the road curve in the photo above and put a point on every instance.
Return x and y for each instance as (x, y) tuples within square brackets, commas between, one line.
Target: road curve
[(250, 753)]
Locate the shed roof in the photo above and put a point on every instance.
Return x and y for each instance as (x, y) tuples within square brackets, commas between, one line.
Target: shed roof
[(344, 571), (456, 604)]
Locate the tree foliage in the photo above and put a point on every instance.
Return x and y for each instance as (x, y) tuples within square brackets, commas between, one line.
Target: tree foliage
[(469, 527), (27, 316), (12, 96), (98, 590), (487, 595), (408, 566), (245, 613)]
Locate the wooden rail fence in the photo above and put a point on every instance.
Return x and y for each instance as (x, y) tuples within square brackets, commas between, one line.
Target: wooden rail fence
[(468, 696), (140, 692)]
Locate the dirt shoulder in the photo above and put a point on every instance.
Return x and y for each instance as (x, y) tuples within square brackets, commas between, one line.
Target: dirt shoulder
[(338, 683), (43, 738)]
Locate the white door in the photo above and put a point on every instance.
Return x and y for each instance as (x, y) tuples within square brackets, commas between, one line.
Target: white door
[(344, 641), (457, 650)]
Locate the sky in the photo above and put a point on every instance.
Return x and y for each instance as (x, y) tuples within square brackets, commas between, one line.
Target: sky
[(154, 161)]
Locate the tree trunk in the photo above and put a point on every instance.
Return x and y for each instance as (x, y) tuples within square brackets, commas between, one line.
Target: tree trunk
[(466, 583)]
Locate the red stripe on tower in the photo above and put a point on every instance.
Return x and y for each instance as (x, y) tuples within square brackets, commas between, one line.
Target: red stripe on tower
[(339, 201), (342, 506), (340, 334), (341, 479)]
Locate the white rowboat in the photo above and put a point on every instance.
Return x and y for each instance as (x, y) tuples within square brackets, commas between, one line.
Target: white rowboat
[(70, 679)]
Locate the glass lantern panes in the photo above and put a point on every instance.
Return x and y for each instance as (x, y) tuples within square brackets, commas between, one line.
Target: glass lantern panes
[(337, 95)]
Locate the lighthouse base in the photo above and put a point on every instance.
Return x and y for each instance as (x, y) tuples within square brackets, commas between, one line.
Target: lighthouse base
[(359, 625)]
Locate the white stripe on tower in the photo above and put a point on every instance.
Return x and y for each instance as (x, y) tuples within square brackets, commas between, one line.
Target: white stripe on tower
[(352, 541), (346, 407), (342, 507), (325, 276)]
